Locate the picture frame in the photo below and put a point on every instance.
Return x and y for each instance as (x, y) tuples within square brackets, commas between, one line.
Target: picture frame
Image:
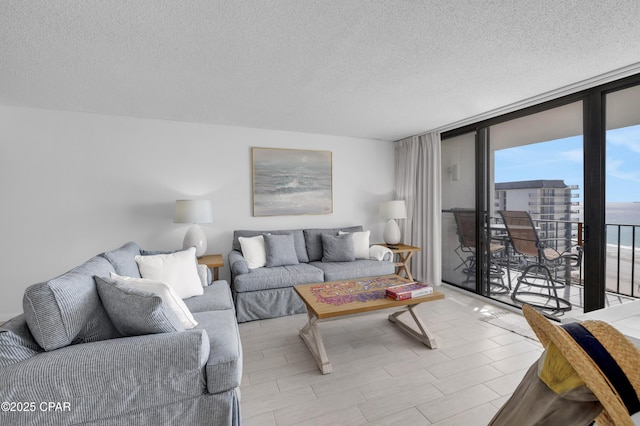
[(291, 182)]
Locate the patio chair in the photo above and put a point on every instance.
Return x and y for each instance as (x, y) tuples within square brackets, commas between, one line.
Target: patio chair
[(540, 264), (466, 251)]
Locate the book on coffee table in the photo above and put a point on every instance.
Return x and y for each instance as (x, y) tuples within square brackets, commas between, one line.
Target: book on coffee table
[(408, 291)]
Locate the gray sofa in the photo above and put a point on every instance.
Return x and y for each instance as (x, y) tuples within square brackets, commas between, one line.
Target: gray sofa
[(64, 362), (267, 292)]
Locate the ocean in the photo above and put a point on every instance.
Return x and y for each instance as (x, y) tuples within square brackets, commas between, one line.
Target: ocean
[(623, 214)]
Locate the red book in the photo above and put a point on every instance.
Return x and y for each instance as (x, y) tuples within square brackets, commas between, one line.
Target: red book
[(408, 291)]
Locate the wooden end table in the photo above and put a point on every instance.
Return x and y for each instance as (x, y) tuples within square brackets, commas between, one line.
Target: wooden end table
[(335, 299), (213, 261), (404, 253)]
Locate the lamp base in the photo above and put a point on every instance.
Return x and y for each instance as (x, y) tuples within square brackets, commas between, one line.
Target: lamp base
[(391, 232), (195, 238)]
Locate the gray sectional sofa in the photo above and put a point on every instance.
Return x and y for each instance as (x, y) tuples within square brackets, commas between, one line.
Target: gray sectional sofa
[(64, 362), (267, 292)]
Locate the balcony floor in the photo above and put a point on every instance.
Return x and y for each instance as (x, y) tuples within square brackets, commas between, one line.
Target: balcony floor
[(573, 293)]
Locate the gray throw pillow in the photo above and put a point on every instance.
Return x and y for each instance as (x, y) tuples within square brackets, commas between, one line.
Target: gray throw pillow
[(135, 312), (14, 349), (337, 248), (280, 250), (16, 342)]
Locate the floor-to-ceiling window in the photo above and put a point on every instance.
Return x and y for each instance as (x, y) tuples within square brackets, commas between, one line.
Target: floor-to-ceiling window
[(623, 192), (458, 196), (536, 169), (548, 162)]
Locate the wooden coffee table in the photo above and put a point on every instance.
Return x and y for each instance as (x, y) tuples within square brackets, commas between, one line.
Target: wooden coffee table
[(335, 299)]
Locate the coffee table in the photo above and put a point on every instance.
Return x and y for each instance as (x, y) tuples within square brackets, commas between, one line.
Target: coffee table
[(336, 299)]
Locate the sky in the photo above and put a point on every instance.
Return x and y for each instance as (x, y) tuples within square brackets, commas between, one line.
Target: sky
[(563, 159)]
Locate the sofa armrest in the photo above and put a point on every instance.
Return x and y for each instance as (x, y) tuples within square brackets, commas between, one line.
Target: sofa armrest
[(109, 377), (237, 263)]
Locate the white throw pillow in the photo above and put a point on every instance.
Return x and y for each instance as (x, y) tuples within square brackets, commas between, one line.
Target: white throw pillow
[(203, 273), (360, 243), (253, 251), (178, 269), (166, 293)]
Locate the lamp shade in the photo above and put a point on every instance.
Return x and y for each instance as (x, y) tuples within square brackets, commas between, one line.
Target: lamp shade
[(395, 209), (193, 211)]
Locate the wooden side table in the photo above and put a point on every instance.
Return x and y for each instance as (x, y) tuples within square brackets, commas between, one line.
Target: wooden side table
[(404, 253), (213, 261)]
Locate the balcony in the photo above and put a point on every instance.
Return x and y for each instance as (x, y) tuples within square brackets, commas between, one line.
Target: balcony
[(621, 284), (623, 242), (621, 281)]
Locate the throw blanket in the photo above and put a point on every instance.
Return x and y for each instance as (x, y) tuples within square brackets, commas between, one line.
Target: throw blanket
[(380, 253)]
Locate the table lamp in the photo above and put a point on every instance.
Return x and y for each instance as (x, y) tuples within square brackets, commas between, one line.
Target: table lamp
[(195, 212), (392, 210)]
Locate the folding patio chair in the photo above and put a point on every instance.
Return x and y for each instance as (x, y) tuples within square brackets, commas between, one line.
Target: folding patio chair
[(466, 251), (540, 263)]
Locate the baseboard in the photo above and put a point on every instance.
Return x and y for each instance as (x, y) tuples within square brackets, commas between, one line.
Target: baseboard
[(6, 317)]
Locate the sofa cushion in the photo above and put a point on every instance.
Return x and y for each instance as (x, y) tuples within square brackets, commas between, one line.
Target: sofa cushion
[(280, 250), (216, 297), (169, 297), (179, 270), (277, 277), (123, 260), (135, 311), (254, 251), (337, 248), (298, 240), (360, 268), (224, 367), (67, 309), (16, 342), (313, 241)]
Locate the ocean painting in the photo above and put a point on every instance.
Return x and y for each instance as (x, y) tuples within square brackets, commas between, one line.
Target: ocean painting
[(292, 182)]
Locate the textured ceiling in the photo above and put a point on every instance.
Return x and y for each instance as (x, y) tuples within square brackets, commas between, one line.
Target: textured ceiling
[(382, 69)]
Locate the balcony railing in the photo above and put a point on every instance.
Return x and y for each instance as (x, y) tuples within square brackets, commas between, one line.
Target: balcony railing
[(621, 258), (622, 242)]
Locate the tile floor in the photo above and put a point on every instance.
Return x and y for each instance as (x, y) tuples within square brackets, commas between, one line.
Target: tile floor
[(382, 376)]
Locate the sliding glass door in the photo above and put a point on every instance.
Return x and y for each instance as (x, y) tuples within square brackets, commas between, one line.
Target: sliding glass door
[(570, 170), (622, 194), (536, 171)]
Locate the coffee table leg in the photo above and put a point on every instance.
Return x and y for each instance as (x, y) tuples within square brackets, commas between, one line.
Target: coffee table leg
[(311, 336), (421, 333)]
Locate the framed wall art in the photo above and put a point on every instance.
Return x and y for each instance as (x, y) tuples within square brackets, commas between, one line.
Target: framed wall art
[(291, 182)]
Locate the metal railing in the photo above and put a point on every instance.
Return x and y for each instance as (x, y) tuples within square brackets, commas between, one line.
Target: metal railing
[(621, 253), (621, 261)]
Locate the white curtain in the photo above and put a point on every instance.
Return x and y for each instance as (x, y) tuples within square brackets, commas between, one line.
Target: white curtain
[(418, 182)]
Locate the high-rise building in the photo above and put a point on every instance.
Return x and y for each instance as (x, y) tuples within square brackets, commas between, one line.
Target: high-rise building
[(549, 202)]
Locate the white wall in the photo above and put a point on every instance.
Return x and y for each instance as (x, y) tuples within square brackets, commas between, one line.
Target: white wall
[(73, 185)]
